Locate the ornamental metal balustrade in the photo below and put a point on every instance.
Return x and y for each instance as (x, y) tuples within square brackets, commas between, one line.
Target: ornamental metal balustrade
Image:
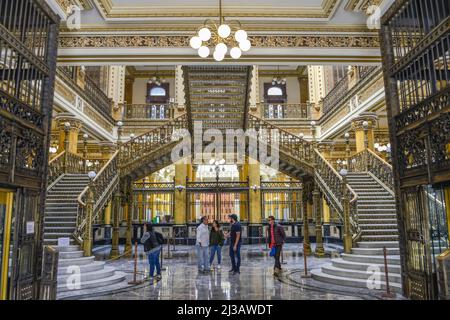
[(369, 161), (343, 92), (91, 93), (286, 110), (153, 111)]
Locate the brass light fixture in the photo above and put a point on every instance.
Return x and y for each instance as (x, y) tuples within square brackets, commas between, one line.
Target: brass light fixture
[(222, 36)]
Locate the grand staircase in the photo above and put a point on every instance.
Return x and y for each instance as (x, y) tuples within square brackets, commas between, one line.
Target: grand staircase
[(377, 222), (65, 217)]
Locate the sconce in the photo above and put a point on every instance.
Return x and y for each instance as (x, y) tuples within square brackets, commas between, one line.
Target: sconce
[(255, 187)]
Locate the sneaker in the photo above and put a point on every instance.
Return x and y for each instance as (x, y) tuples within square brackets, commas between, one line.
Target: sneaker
[(232, 270), (212, 268), (219, 267), (158, 277)]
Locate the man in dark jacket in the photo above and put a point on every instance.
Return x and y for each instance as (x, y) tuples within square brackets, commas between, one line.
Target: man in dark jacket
[(277, 237)]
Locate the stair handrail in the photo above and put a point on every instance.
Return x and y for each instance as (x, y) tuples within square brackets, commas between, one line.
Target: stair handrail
[(368, 161), (331, 184), (102, 187), (64, 162), (300, 148), (141, 145), (55, 169)]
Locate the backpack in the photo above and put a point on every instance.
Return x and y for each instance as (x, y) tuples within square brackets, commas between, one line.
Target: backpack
[(159, 238), (151, 242)]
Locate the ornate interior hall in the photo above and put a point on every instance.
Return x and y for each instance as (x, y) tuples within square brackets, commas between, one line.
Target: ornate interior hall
[(329, 117)]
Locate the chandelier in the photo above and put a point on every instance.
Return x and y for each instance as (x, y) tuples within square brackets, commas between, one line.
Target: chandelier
[(156, 79), (222, 36), (278, 80)]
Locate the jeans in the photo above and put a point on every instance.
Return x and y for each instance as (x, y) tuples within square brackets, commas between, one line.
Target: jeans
[(203, 258), (214, 249), (153, 260), (277, 256), (235, 257)]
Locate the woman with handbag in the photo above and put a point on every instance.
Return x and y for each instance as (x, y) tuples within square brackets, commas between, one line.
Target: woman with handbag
[(277, 237)]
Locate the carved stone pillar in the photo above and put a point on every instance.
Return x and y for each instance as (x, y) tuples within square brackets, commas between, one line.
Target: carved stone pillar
[(180, 99), (180, 209), (116, 207), (129, 216), (306, 242), (72, 132), (364, 135)]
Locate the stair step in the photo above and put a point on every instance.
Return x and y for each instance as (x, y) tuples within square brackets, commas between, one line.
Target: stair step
[(70, 254), (363, 275), (378, 226), (379, 244), (377, 221), (75, 261), (363, 266), (117, 277), (56, 235), (395, 259), (360, 283), (91, 267), (89, 276), (379, 238), (375, 251)]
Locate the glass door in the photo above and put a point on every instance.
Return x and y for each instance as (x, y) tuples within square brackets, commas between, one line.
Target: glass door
[(6, 208)]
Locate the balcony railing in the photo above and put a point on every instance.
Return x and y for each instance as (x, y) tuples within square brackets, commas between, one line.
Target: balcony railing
[(286, 110), (155, 111), (91, 93), (341, 92)]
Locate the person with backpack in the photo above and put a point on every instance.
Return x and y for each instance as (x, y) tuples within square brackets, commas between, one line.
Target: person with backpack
[(277, 238), (152, 242), (216, 239)]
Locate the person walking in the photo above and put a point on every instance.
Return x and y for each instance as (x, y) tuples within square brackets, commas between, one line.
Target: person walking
[(152, 242), (202, 245), (216, 239), (235, 244), (277, 238)]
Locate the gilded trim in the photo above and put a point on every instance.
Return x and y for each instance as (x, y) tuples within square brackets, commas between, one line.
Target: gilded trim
[(6, 243), (109, 11)]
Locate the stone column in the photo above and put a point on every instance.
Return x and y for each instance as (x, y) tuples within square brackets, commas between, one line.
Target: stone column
[(254, 92), (180, 99), (129, 219), (72, 134), (181, 172), (306, 242), (255, 219), (364, 135), (319, 252)]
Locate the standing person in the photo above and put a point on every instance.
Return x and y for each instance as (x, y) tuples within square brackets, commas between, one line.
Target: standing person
[(235, 244), (152, 242), (202, 245), (216, 239), (277, 238)]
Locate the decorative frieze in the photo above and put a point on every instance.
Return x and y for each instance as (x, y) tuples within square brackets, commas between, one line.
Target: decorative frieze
[(292, 41)]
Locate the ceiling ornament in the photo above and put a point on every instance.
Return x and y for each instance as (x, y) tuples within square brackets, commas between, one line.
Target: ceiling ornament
[(223, 36), (156, 79)]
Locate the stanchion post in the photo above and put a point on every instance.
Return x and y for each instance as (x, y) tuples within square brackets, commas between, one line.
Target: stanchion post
[(388, 293), (135, 265), (305, 263)]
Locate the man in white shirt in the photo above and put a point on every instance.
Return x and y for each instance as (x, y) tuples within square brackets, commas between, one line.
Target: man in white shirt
[(202, 245)]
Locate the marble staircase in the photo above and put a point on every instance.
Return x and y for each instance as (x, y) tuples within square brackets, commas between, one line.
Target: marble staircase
[(364, 267), (92, 274)]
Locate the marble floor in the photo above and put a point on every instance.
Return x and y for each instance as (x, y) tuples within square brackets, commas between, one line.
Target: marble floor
[(181, 280)]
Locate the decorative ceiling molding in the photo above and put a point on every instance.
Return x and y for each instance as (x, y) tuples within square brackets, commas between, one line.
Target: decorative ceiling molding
[(134, 73), (110, 11), (269, 41), (299, 73), (361, 5)]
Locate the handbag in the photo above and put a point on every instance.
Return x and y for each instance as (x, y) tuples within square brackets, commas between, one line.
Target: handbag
[(272, 252)]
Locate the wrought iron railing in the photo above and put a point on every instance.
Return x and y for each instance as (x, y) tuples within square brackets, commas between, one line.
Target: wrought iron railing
[(369, 161), (91, 93), (331, 184), (145, 144), (341, 91), (286, 110), (156, 111), (101, 187), (64, 162), (287, 142)]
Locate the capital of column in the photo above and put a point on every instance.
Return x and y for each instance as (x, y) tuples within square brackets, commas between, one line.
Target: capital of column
[(63, 118), (370, 117)]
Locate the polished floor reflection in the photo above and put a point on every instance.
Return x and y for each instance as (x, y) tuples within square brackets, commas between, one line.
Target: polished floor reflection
[(181, 279)]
